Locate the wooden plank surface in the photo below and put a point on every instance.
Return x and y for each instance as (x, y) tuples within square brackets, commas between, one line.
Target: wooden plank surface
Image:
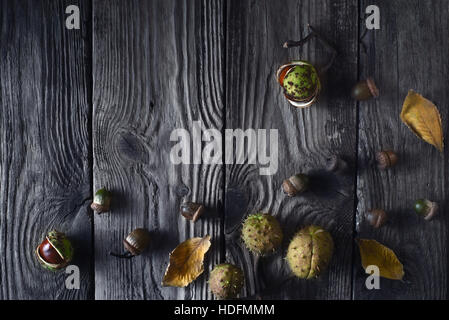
[(157, 67), (408, 52), (44, 146), (255, 34), (83, 109)]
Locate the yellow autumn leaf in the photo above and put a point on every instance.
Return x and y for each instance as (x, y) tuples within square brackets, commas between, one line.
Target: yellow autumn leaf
[(423, 118), (374, 253), (186, 262)]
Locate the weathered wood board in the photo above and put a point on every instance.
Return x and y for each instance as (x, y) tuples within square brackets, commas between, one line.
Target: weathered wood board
[(157, 67), (408, 52), (83, 109), (256, 32), (44, 146)]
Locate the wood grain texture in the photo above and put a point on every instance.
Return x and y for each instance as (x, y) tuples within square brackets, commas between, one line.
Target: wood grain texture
[(255, 32), (83, 109), (44, 146), (157, 67), (408, 52)]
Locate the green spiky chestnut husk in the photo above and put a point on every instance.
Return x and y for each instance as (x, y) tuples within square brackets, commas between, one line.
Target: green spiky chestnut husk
[(262, 233), (309, 252), (301, 82), (102, 201), (226, 281), (55, 252)]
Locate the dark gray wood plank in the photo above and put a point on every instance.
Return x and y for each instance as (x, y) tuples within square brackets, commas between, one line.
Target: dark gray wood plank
[(44, 146), (256, 31), (157, 67), (408, 52)]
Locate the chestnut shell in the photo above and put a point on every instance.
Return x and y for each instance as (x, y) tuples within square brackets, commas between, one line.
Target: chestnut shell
[(55, 251)]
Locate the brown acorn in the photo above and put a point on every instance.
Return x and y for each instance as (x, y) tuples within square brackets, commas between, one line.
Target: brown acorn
[(376, 217), (135, 243), (364, 90), (386, 159), (295, 184), (191, 211)]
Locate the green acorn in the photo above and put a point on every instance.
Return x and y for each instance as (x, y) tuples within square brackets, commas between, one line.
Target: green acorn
[(55, 252), (262, 233), (226, 281), (426, 208), (309, 252), (102, 201)]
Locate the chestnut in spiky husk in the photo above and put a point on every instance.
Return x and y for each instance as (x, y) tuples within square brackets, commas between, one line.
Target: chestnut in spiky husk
[(226, 281), (102, 201), (300, 82), (300, 79), (135, 243), (262, 233), (309, 252), (55, 252), (295, 184), (426, 208)]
